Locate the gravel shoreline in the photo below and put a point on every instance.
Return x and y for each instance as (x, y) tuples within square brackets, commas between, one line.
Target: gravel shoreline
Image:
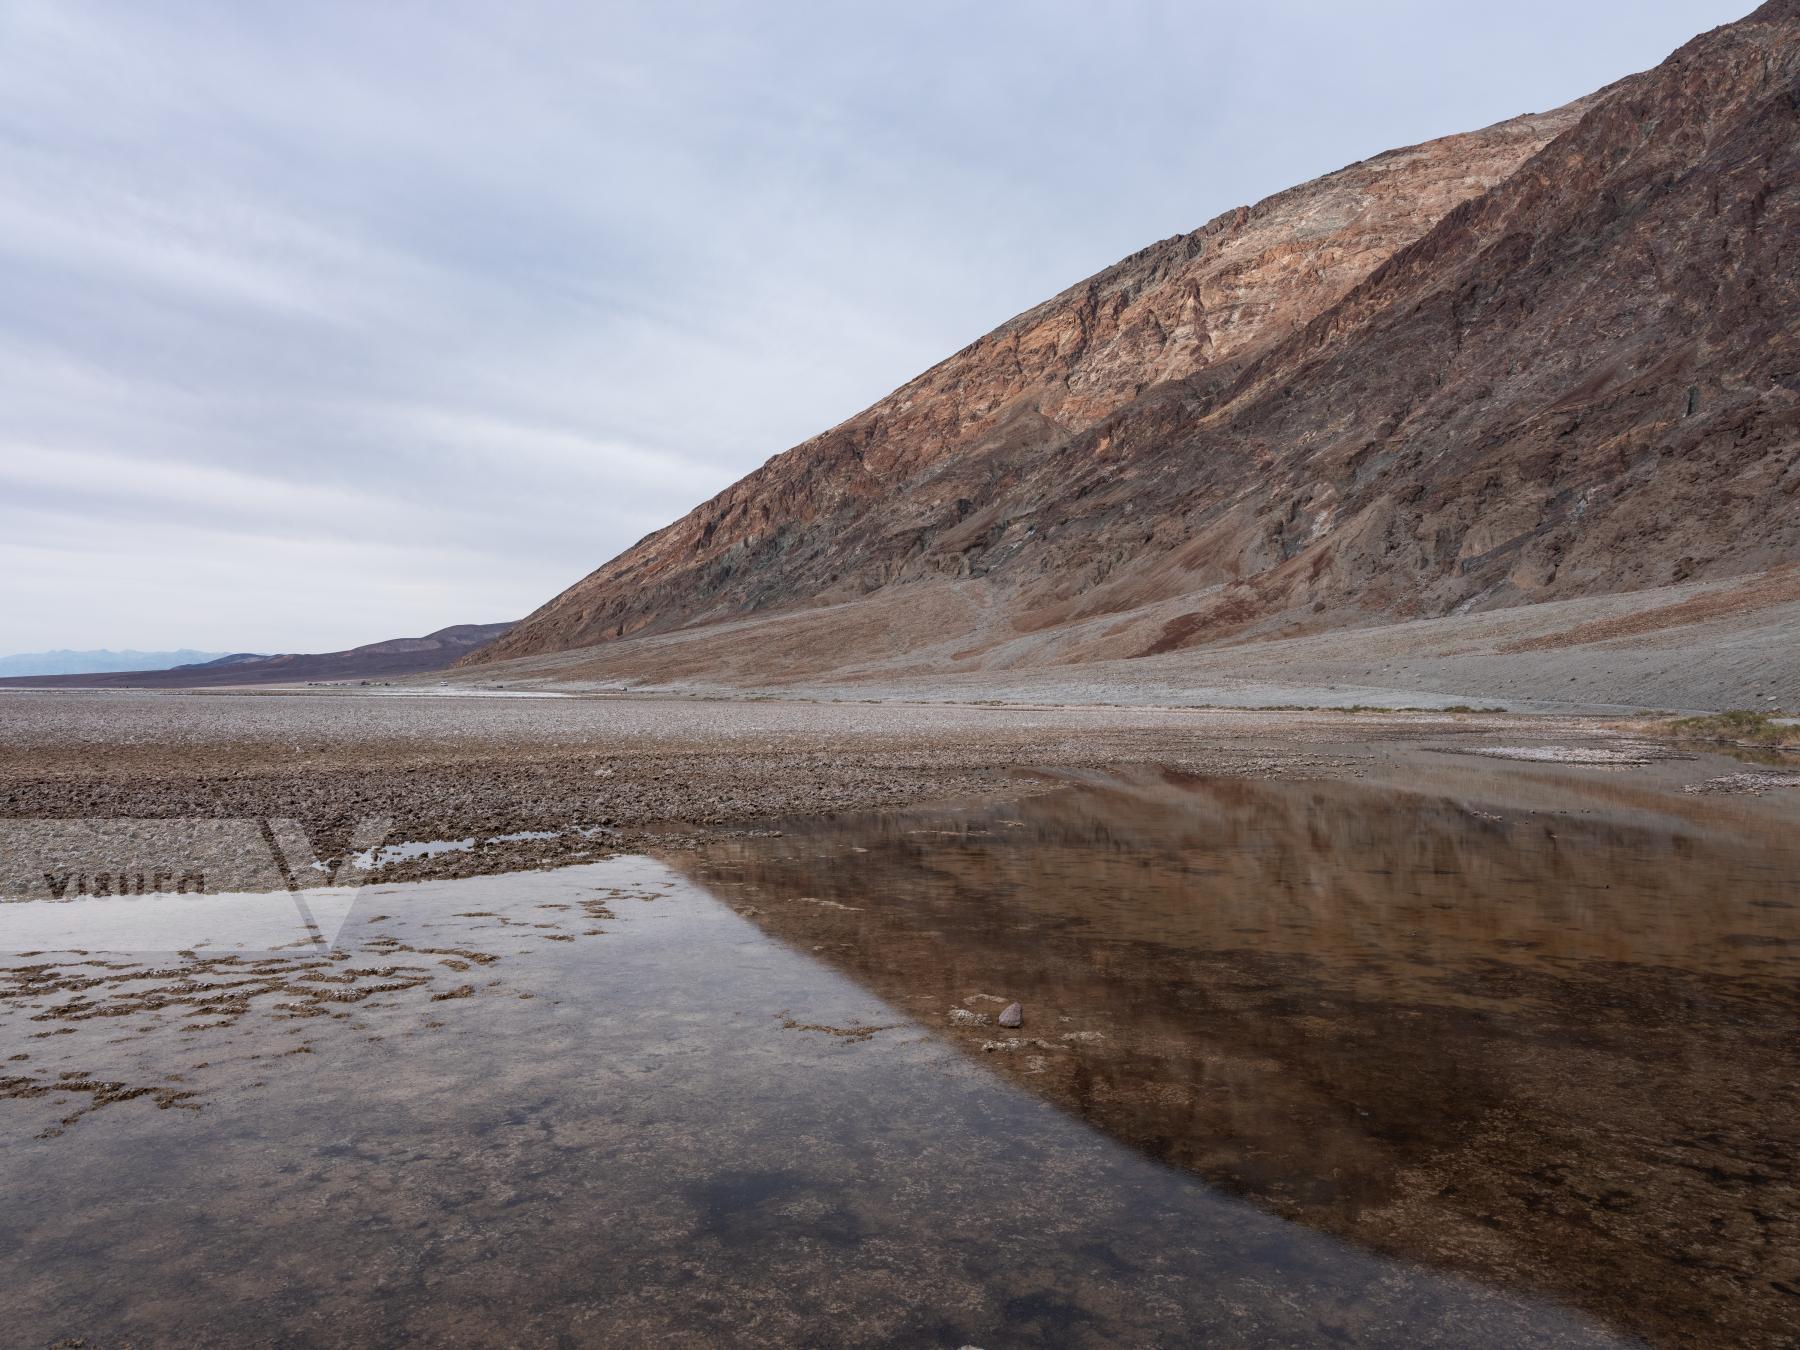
[(626, 773)]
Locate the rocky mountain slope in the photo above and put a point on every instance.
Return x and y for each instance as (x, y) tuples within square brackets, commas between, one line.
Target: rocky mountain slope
[(1552, 359), (396, 656)]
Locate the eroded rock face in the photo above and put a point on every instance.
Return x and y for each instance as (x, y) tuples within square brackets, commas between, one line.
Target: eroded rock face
[(1552, 358), (1582, 381)]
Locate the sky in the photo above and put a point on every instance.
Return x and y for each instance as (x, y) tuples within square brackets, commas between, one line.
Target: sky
[(326, 323)]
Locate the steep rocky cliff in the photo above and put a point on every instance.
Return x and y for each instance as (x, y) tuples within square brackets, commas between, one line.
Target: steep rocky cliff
[(1549, 359)]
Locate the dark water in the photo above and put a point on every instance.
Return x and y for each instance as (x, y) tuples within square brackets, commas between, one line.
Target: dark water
[(1536, 1025), (1505, 1063)]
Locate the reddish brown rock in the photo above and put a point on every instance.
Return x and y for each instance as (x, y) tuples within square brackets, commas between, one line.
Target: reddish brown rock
[(1550, 359)]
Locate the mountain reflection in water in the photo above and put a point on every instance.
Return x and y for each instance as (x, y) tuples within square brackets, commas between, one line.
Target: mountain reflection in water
[(1542, 1031)]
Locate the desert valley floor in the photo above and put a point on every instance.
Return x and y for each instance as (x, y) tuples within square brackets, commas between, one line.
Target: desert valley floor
[(677, 1019)]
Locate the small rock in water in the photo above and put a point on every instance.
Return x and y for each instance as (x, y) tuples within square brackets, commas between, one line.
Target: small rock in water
[(1012, 1016)]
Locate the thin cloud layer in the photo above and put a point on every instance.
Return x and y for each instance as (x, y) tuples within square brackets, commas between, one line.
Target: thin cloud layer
[(329, 323)]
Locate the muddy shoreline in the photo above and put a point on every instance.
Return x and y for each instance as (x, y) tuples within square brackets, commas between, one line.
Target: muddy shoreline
[(630, 774), (639, 773)]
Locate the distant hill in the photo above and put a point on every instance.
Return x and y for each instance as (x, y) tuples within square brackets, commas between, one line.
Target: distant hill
[(234, 659), (396, 656), (95, 662)]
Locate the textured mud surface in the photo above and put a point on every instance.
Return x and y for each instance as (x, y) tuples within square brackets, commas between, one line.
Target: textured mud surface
[(498, 784), (579, 777)]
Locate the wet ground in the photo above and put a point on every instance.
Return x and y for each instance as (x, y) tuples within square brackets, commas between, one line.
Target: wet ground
[(536, 782), (1468, 1052)]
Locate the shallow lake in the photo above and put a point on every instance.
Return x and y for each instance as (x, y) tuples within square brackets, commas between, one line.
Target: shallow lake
[(1504, 1055)]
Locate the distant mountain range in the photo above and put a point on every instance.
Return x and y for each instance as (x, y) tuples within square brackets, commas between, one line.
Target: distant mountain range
[(90, 663), (396, 656), (1552, 360)]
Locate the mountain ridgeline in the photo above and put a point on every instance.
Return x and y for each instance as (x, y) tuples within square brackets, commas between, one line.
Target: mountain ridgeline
[(1551, 359), (394, 657)]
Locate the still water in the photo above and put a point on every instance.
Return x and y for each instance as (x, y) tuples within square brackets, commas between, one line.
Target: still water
[(1505, 1057)]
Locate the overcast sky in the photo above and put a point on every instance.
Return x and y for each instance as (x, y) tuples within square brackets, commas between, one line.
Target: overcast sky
[(324, 323)]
